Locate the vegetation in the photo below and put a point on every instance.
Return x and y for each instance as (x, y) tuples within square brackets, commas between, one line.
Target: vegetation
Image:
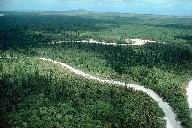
[(164, 67), (41, 94)]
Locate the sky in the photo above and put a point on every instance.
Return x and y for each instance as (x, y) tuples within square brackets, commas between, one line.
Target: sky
[(162, 7)]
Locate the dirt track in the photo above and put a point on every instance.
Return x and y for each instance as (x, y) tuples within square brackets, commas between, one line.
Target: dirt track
[(170, 116)]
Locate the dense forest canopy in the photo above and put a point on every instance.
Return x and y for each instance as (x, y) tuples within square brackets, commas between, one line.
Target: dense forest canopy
[(30, 87)]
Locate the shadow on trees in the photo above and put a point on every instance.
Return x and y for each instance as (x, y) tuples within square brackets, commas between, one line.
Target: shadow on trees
[(16, 28), (175, 26), (31, 29), (150, 55), (188, 38)]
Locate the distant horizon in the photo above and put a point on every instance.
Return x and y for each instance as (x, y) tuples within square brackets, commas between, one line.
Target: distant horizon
[(156, 7), (93, 12)]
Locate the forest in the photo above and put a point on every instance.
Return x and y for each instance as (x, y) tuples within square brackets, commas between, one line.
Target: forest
[(39, 94), (35, 93)]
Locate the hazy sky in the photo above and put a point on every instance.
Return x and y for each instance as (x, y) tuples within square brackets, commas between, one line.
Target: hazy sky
[(164, 7)]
